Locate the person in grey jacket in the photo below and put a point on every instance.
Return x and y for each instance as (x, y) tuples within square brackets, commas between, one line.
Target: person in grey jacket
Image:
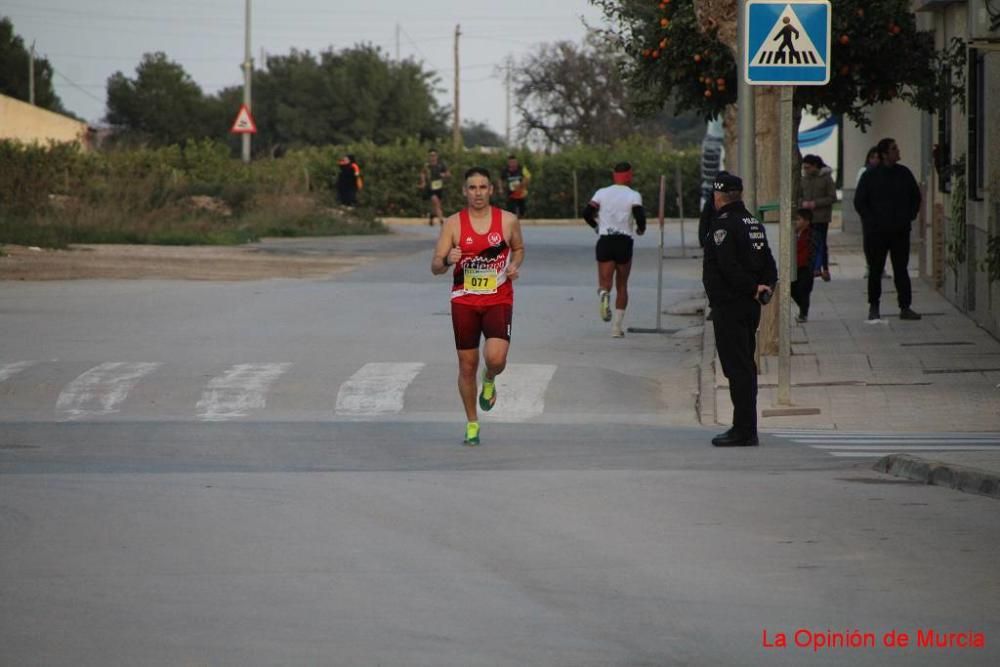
[(888, 200), (819, 193)]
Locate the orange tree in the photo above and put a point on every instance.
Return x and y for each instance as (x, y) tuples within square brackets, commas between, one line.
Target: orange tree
[(878, 55)]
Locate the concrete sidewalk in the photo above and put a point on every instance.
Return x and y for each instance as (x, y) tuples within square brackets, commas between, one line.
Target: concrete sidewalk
[(937, 375)]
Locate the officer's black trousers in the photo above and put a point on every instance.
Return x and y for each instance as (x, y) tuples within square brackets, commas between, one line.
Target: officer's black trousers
[(735, 338)]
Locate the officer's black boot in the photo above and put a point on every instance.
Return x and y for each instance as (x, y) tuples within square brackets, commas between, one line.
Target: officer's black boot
[(735, 438)]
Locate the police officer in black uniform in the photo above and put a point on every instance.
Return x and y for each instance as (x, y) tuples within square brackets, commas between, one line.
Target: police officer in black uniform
[(739, 275)]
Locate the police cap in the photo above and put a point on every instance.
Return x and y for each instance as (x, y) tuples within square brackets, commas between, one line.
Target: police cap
[(726, 182)]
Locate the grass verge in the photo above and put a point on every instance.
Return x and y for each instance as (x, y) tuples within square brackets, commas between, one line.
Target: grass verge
[(181, 223)]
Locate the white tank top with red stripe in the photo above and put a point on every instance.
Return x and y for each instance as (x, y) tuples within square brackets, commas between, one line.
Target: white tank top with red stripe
[(480, 277)]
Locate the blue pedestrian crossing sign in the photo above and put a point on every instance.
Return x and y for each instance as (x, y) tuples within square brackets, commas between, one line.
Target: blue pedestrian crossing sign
[(787, 43)]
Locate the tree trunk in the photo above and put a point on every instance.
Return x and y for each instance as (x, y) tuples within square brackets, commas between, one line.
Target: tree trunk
[(767, 143)]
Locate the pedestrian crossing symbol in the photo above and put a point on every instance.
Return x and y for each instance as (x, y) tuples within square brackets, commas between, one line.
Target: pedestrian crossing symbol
[(787, 43)]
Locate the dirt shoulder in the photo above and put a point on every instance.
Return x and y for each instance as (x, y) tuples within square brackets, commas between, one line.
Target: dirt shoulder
[(129, 262)]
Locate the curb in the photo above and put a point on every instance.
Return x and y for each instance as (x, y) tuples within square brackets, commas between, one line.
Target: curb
[(960, 478)]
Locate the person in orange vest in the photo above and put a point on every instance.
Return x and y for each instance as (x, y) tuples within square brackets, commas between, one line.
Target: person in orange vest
[(349, 181)]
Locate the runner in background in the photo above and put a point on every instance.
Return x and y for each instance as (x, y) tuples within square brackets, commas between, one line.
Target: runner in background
[(514, 180), (612, 213), (432, 179)]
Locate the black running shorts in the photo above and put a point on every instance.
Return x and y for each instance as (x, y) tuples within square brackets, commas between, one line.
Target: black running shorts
[(471, 322), (615, 248)]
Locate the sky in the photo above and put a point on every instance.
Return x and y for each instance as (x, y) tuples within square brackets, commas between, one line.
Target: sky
[(86, 41)]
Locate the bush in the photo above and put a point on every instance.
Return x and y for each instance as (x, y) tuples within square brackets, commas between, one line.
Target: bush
[(54, 195)]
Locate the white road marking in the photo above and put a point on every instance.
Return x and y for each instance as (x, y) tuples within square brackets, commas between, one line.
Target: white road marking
[(845, 442), (521, 392), (239, 391), (915, 448), (868, 445), (8, 371), (376, 389), (867, 455), (102, 389)]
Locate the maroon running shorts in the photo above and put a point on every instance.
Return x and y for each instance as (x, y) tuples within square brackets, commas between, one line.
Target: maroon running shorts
[(469, 322)]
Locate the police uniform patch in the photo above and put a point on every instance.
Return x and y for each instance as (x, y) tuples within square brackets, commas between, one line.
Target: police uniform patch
[(720, 236)]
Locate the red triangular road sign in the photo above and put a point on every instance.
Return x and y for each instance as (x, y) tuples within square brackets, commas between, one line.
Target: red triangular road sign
[(244, 122)]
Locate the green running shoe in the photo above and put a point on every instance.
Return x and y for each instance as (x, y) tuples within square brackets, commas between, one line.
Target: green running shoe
[(605, 305), (471, 434), (488, 395)]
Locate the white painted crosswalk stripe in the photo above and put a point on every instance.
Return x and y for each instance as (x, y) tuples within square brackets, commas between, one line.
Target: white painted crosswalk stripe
[(895, 441), (521, 392), (239, 391), (12, 369), (376, 389), (102, 389), (871, 445), (909, 448)]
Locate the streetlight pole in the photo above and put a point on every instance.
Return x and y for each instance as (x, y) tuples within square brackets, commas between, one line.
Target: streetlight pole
[(456, 130), (247, 81), (747, 117), (31, 75)]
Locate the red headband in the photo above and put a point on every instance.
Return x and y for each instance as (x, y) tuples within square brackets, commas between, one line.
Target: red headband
[(622, 177)]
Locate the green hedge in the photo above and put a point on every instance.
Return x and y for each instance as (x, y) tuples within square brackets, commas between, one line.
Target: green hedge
[(144, 185)]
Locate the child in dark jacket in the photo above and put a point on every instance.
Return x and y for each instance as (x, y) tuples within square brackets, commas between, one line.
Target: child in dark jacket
[(805, 251)]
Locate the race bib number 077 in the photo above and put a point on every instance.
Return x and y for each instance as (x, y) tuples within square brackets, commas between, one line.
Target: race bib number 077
[(480, 281)]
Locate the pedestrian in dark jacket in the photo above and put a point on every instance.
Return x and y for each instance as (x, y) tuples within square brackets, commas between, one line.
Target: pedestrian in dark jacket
[(888, 200), (739, 275), (805, 251)]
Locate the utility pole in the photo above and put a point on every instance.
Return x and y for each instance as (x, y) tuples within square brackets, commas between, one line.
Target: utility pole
[(397, 42), (786, 246), (507, 85), (247, 80), (31, 75), (456, 130)]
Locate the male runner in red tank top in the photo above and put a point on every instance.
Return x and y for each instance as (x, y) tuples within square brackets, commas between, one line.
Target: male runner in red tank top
[(485, 246)]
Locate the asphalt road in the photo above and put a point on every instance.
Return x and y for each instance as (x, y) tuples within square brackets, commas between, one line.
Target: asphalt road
[(270, 473)]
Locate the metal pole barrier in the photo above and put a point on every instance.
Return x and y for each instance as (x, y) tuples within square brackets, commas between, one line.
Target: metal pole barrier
[(576, 196), (785, 244), (659, 277), (680, 205), (659, 271)]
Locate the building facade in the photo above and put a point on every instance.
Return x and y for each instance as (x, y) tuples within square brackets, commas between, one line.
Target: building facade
[(20, 121)]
